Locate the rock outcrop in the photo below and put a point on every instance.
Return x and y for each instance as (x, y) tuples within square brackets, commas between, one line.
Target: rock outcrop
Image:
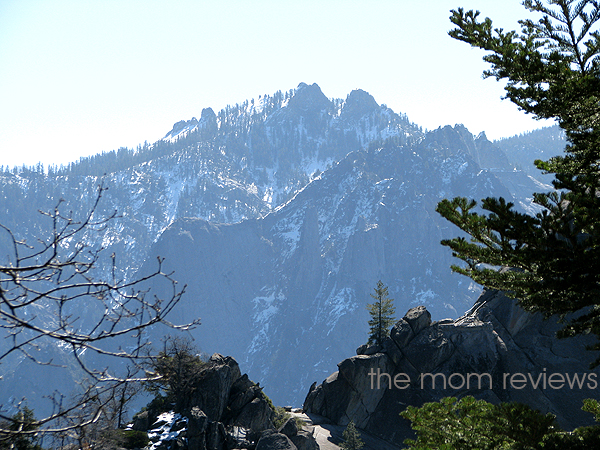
[(225, 411), (496, 352)]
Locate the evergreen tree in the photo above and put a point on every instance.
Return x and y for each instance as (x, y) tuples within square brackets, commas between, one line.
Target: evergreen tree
[(352, 440), (468, 423), (551, 259), (19, 433), (382, 314), (177, 370)]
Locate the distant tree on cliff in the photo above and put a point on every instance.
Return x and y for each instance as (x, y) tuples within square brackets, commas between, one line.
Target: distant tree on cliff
[(175, 371), (552, 68), (382, 314)]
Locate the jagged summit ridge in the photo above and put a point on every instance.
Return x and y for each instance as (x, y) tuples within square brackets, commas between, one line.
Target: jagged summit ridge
[(309, 108)]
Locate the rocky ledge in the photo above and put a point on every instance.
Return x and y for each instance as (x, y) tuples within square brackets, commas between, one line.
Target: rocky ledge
[(226, 411), (496, 352)]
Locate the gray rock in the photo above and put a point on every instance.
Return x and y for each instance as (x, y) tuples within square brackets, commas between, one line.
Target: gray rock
[(391, 349), (429, 349), (215, 436), (361, 350), (197, 424), (289, 428), (256, 415), (355, 391), (304, 440), (275, 441), (402, 333), (418, 318), (212, 391), (367, 349), (477, 354), (335, 387), (141, 421), (240, 400)]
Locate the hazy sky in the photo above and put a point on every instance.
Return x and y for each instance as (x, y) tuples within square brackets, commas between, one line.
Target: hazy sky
[(80, 77)]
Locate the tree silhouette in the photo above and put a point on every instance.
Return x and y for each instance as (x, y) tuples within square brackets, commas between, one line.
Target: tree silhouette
[(382, 314)]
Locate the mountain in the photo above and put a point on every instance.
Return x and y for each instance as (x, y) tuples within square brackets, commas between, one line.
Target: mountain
[(524, 149), (286, 293), (280, 214)]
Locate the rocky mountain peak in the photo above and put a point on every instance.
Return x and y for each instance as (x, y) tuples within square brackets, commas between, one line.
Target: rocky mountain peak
[(181, 127), (359, 103), (309, 98), (208, 115)]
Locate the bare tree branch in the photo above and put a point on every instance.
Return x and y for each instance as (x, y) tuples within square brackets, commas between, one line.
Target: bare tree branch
[(53, 293)]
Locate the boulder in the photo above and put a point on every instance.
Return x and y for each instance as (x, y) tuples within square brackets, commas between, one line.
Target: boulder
[(418, 318), (429, 349), (367, 349), (256, 415), (226, 411), (402, 333), (352, 393), (141, 421), (239, 401), (304, 440), (337, 392), (197, 424), (271, 440), (215, 436), (289, 428), (212, 391)]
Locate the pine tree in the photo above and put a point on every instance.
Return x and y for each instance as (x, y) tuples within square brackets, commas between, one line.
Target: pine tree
[(382, 314), (20, 432), (550, 260), (352, 440)]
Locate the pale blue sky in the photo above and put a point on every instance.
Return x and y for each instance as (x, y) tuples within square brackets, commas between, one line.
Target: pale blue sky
[(79, 77)]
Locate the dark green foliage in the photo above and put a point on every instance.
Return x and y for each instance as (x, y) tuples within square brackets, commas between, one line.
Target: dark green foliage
[(476, 424), (583, 438), (382, 314), (552, 71), (25, 424), (352, 440), (131, 439), (524, 426), (280, 417), (176, 371), (592, 406)]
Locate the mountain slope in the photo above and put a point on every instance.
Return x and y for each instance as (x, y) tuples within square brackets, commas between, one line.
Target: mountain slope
[(286, 293)]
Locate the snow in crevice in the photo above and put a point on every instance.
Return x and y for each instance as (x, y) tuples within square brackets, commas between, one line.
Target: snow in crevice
[(161, 431), (265, 308), (337, 305)]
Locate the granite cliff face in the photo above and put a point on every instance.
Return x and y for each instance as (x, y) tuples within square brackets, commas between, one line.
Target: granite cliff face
[(496, 352), (286, 293)]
